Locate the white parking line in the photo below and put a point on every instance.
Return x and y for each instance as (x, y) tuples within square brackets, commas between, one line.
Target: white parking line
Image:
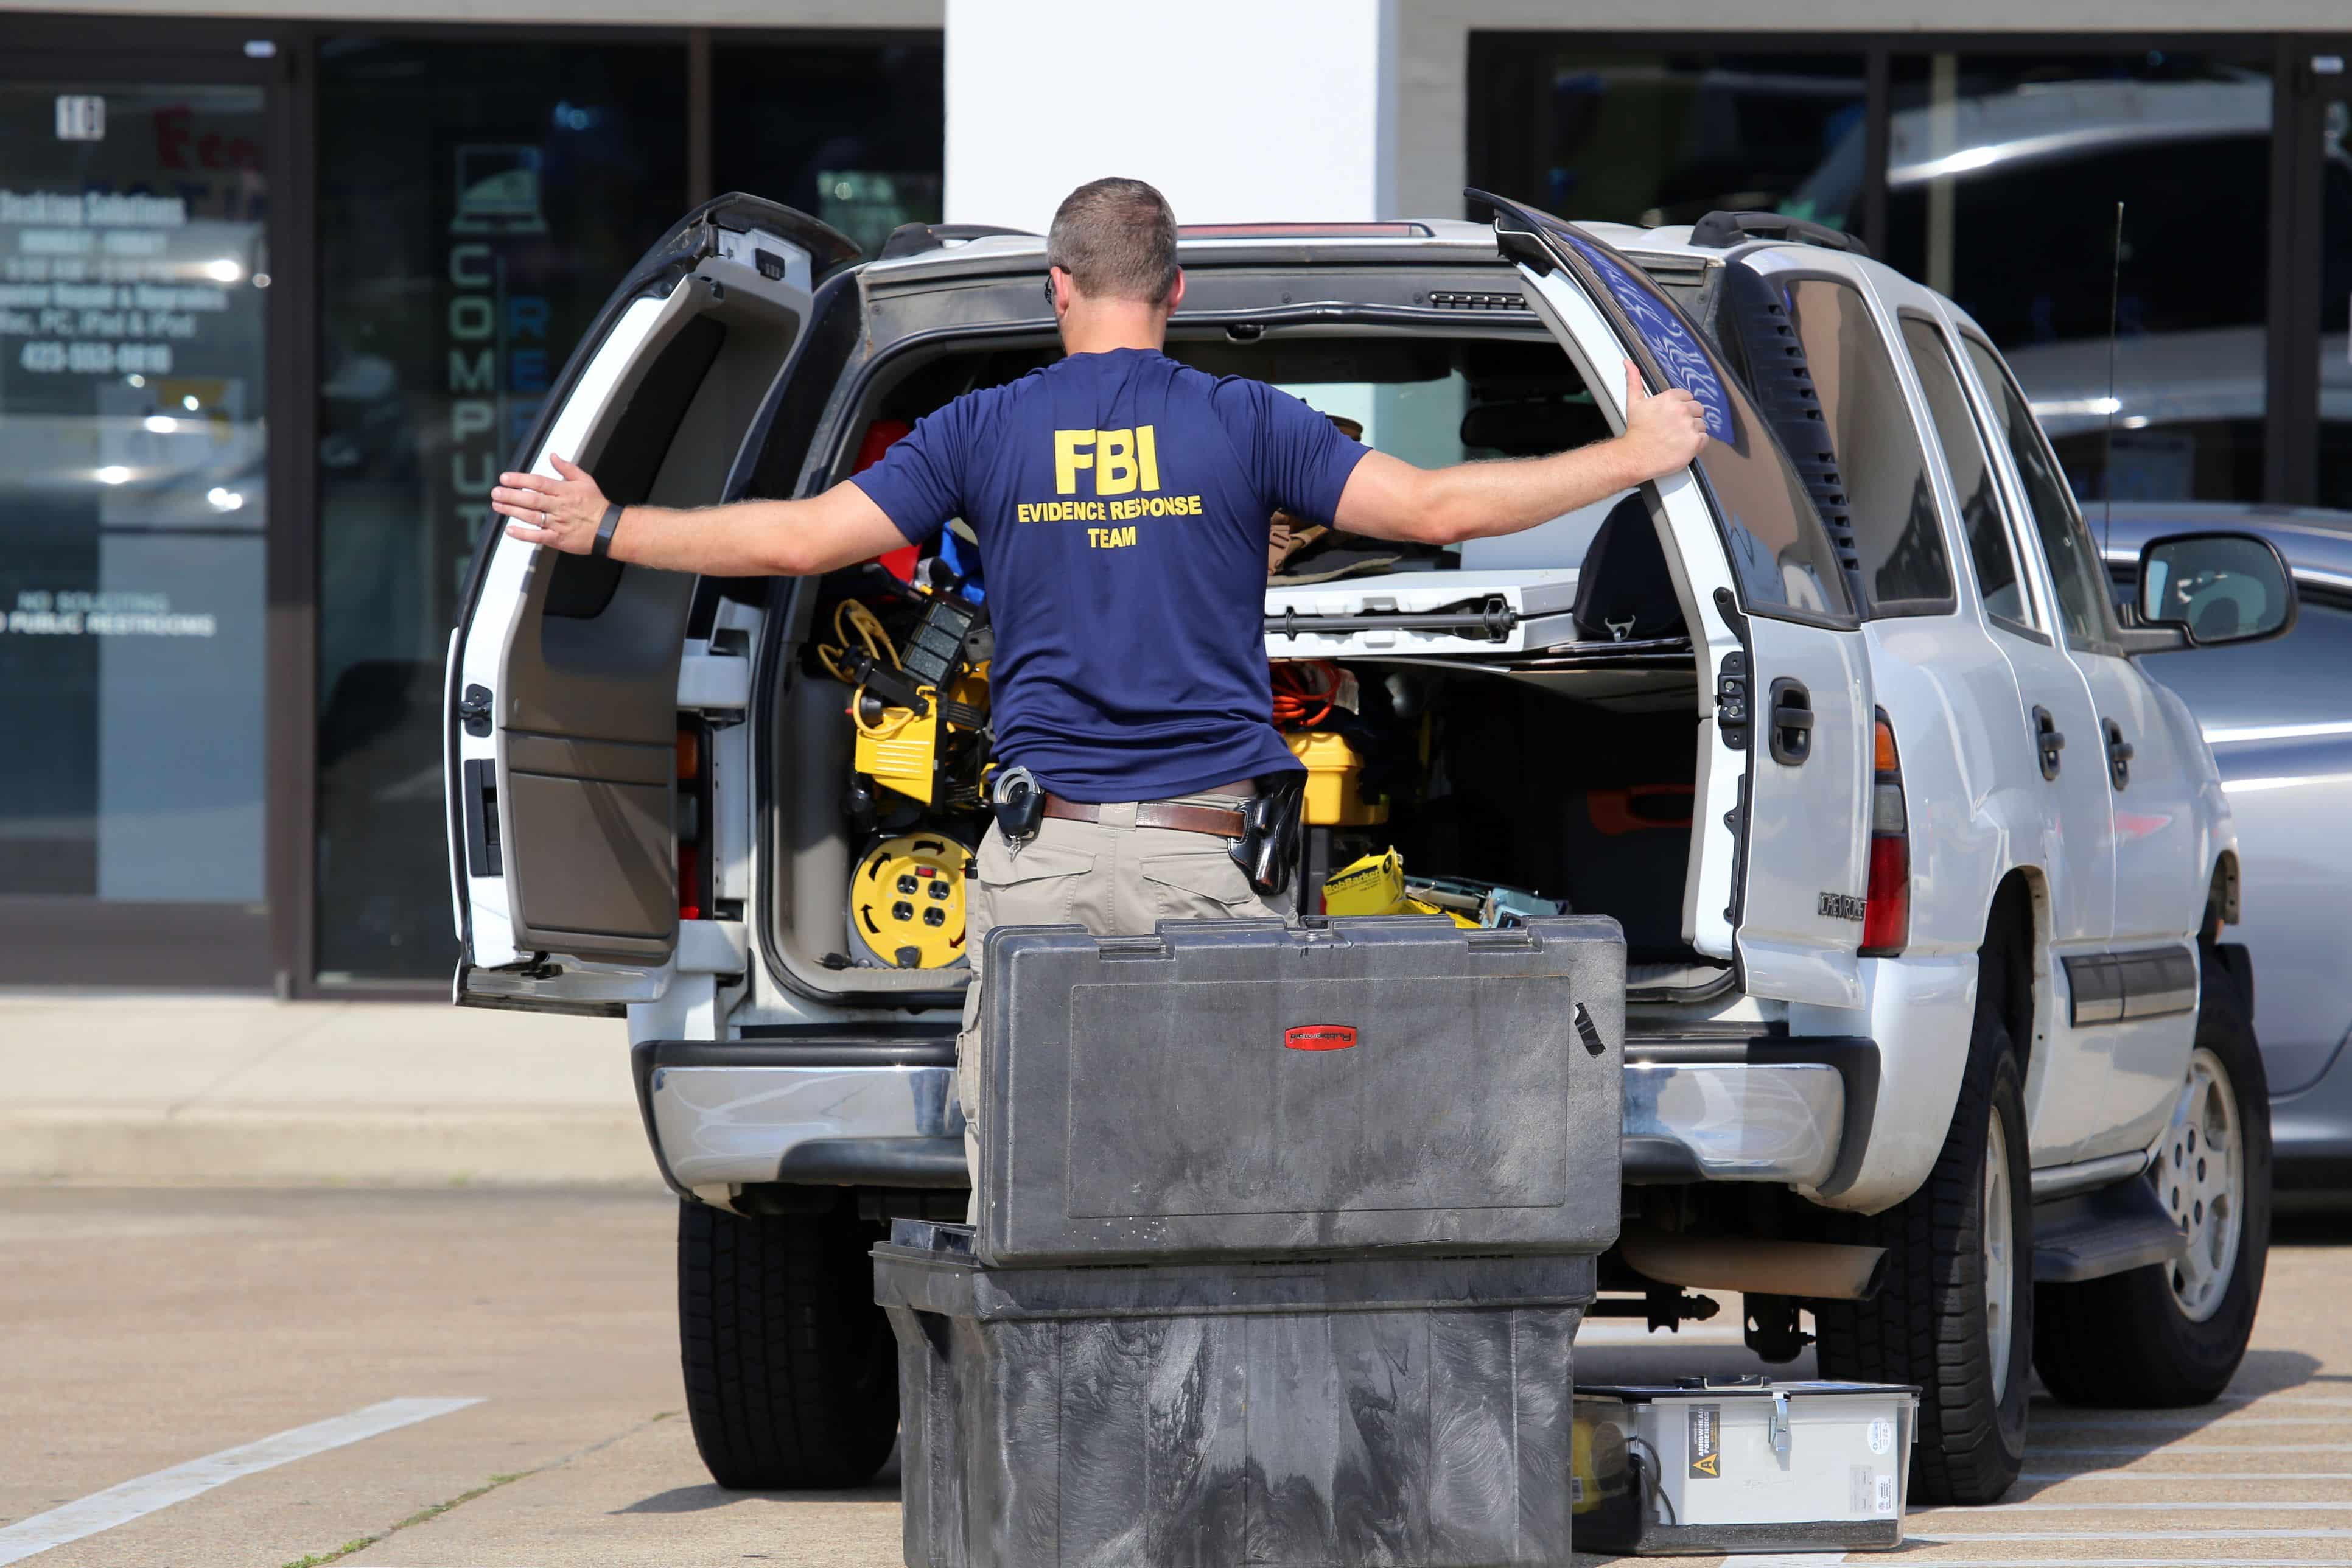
[(1947, 1537), (2182, 1423), (2344, 1507), (2148, 1453), (2189, 1474), (146, 1494)]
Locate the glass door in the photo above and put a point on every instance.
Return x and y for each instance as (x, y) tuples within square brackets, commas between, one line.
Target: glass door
[(2326, 241), (134, 508)]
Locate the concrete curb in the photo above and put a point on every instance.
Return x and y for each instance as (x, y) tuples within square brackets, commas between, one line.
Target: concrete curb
[(517, 1146)]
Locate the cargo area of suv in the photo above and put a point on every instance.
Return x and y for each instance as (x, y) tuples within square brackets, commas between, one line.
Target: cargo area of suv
[(1480, 735)]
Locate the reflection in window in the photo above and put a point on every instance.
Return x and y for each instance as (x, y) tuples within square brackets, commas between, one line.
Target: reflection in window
[(1990, 552), (478, 203), (133, 494), (2335, 346), (1875, 446), (2003, 172), (1649, 136), (851, 134), (479, 200), (2065, 543)]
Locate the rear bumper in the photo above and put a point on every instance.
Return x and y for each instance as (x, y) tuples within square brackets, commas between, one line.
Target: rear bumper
[(1753, 1109), (877, 1108), (840, 1106)]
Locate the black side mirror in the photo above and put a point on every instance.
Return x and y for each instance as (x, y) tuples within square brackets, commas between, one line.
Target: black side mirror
[(2216, 587)]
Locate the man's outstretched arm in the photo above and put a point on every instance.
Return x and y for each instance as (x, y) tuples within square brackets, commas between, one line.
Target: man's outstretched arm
[(748, 539), (1389, 499)]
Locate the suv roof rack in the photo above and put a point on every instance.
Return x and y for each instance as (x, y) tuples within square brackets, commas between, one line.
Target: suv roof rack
[(914, 238), (1391, 228), (1721, 230)]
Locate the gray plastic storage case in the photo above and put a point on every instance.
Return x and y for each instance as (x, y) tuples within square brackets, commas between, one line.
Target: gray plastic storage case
[(1403, 1412), (1742, 1466), (1242, 1089)]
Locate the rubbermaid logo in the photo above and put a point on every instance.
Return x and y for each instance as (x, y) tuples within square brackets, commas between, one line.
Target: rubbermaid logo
[(1319, 1037)]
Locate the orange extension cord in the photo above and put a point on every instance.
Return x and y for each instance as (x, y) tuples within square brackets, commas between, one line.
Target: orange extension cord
[(1304, 692)]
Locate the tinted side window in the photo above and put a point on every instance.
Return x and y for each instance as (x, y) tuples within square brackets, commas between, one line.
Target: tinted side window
[(2074, 564), (1981, 520), (1779, 548), (1879, 457)]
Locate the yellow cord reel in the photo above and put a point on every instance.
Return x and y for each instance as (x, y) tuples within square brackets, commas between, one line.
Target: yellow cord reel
[(906, 901)]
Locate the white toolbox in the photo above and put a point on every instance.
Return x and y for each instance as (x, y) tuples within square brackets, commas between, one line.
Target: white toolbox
[(1741, 1465), (1413, 612)]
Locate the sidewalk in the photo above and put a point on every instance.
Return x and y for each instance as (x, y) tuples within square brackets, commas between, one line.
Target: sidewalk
[(134, 1087)]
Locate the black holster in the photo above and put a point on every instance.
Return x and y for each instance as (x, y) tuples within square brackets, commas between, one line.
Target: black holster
[(1268, 850)]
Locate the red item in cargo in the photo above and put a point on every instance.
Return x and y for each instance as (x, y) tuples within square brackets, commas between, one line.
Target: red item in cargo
[(880, 436)]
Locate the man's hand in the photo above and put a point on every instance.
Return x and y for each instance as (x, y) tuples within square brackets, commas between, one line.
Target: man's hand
[(1663, 434), (561, 513)]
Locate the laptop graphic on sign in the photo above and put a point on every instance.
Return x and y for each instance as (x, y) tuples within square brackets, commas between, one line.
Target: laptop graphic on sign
[(498, 190)]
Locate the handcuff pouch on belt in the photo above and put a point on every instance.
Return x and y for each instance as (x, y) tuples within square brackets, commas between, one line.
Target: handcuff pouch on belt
[(1019, 804), (1268, 850)]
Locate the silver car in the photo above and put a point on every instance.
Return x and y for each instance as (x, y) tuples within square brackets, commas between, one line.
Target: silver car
[(2279, 717)]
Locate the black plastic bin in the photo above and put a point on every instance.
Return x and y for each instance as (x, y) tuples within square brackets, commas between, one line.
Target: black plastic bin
[(1411, 1411)]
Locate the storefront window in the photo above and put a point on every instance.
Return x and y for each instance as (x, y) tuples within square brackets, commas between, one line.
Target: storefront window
[(477, 201), (2003, 172), (133, 279), (852, 134), (1651, 137)]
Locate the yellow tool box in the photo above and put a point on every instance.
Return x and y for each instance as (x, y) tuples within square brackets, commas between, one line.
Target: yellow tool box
[(1332, 770)]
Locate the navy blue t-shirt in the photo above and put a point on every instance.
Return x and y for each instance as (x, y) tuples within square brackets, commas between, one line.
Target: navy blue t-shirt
[(1121, 503)]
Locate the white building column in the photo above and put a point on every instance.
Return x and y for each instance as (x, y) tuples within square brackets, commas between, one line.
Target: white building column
[(1239, 111)]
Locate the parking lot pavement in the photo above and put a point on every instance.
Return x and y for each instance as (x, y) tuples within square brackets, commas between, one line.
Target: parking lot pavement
[(499, 1371)]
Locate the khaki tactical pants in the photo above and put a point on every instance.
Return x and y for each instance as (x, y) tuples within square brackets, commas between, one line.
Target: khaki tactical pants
[(1112, 878)]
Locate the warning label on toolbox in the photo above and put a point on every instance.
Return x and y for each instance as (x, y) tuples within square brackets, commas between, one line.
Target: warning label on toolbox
[(1873, 1492), (1706, 1440)]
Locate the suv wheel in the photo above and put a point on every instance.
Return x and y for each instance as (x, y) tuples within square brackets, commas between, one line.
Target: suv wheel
[(2168, 1336), (1956, 1314), (790, 1370)]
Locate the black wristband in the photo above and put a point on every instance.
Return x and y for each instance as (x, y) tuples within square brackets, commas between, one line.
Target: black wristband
[(603, 545)]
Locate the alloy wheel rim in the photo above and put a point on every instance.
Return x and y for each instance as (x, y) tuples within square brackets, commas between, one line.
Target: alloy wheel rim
[(2200, 1172), (2000, 1254)]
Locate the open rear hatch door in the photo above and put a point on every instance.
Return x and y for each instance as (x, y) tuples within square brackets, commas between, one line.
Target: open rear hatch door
[(1779, 865), (561, 738)]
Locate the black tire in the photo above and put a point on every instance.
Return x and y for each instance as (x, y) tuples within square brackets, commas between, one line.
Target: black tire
[(791, 1372), (2125, 1341), (1929, 1324)]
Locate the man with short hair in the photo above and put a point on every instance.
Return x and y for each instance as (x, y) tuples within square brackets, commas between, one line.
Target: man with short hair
[(1130, 674)]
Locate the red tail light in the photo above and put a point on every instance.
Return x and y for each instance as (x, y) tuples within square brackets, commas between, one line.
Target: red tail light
[(1887, 918)]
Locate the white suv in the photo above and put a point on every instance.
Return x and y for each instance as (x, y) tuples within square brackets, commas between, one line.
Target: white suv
[(1922, 880)]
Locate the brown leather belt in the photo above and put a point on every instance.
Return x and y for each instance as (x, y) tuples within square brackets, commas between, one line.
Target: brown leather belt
[(1156, 814)]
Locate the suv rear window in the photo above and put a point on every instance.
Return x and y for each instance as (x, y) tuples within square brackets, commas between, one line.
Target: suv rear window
[(1778, 549), (1879, 458)]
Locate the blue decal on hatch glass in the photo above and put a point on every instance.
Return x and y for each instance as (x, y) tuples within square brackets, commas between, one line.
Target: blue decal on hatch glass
[(1677, 352)]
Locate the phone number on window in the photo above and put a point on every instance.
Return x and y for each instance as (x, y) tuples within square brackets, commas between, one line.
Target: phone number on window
[(96, 358)]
